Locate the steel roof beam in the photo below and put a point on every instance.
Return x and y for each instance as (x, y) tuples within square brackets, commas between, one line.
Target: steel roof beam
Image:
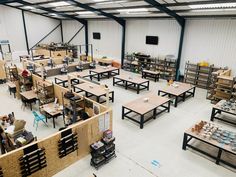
[(88, 8), (163, 8), (84, 22)]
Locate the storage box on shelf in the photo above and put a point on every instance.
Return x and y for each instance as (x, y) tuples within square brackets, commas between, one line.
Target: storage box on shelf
[(225, 88), (26, 82), (45, 92), (212, 82)]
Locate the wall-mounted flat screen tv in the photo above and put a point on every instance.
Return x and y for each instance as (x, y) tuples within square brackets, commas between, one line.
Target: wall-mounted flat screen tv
[(152, 40), (96, 35)]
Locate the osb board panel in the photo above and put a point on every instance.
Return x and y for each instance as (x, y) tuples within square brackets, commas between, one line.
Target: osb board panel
[(88, 132), (45, 61), (42, 52)]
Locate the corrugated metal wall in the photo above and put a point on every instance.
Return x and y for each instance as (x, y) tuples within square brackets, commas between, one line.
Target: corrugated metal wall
[(168, 32), (212, 40)]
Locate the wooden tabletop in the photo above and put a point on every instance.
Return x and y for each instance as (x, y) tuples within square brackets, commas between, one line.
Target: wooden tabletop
[(133, 79), (142, 107), (218, 106), (51, 109), (11, 84), (29, 95), (97, 90), (64, 78), (104, 60), (182, 88), (151, 72), (84, 73), (211, 141), (103, 69)]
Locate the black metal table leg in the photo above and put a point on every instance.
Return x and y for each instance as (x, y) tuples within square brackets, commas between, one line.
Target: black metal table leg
[(123, 111), (154, 113), (126, 85), (141, 121), (184, 96), (159, 92), (148, 85), (113, 81), (97, 99), (185, 141), (53, 119), (212, 114), (176, 101), (168, 106), (138, 87), (98, 77), (194, 89), (218, 156), (112, 97)]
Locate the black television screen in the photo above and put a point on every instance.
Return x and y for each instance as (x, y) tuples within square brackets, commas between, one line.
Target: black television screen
[(153, 40), (96, 36)]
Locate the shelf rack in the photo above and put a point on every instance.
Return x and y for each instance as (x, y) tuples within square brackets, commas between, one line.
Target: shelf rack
[(33, 160), (102, 152), (26, 82), (199, 75), (68, 143), (136, 63), (73, 108), (45, 92)]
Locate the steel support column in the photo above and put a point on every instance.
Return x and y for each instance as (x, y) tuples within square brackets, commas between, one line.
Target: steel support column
[(62, 38), (181, 40), (25, 31), (123, 43), (86, 36)]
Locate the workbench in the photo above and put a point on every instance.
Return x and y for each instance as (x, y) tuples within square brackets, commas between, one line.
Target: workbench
[(151, 74), (134, 83), (141, 107), (104, 72), (92, 89), (190, 136), (217, 109), (180, 92)]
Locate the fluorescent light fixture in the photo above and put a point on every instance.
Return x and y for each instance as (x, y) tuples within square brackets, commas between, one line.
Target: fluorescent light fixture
[(110, 2), (52, 14), (85, 13), (213, 10), (99, 0), (132, 10), (28, 7), (212, 6), (61, 3)]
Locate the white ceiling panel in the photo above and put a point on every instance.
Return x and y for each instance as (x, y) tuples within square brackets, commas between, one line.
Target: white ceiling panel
[(15, 4), (67, 8)]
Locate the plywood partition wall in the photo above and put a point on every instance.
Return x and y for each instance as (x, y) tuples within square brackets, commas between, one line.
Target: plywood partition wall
[(39, 51), (88, 133)]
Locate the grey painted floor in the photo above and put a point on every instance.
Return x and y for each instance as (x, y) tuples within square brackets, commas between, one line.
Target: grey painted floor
[(160, 140)]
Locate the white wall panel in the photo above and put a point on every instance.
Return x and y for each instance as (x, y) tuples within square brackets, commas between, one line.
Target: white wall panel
[(39, 26), (70, 27), (11, 28), (212, 40), (110, 43), (168, 32)]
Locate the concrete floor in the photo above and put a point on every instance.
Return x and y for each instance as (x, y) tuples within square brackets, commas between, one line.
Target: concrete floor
[(136, 148)]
